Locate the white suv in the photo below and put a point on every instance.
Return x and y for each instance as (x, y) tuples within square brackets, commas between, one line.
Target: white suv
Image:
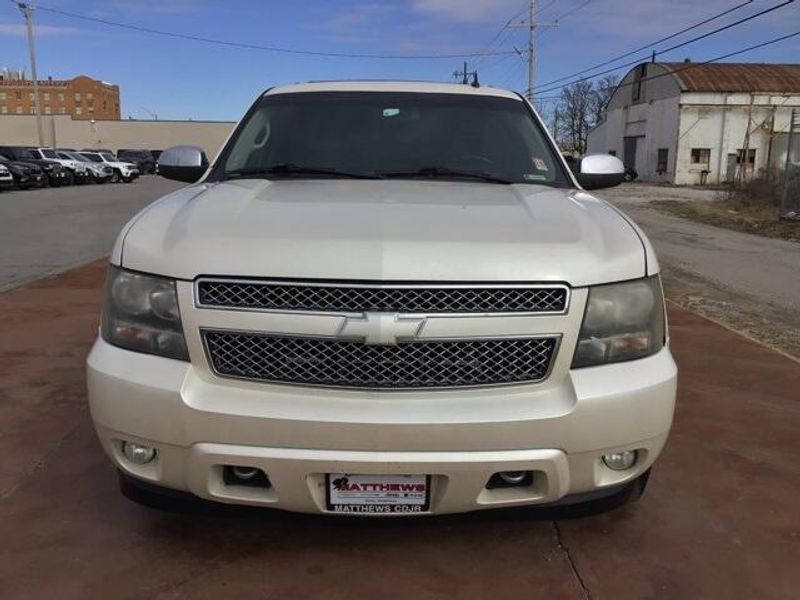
[(384, 299), (77, 169), (120, 171)]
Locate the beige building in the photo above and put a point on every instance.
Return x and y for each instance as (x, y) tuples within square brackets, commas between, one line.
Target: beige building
[(81, 97), (64, 132)]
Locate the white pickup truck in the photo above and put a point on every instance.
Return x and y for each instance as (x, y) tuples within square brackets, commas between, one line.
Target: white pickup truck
[(384, 299)]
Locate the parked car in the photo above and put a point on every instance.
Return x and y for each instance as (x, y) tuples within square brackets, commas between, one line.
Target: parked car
[(156, 154), (26, 175), (6, 178), (78, 173), (55, 174), (143, 160), (365, 306), (120, 171), (97, 172)]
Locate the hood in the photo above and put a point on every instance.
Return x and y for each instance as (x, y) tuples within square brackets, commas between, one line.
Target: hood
[(383, 230)]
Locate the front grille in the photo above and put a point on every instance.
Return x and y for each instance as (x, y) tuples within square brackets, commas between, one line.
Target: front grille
[(366, 298), (332, 362)]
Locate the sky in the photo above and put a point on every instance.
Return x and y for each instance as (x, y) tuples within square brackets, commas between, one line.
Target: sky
[(186, 79)]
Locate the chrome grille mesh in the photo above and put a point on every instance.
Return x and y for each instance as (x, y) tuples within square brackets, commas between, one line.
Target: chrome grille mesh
[(331, 362), (344, 298)]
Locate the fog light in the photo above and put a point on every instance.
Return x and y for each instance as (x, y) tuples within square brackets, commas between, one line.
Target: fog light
[(138, 454), (619, 461)]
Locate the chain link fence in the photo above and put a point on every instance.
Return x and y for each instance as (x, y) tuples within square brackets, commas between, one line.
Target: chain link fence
[(790, 197)]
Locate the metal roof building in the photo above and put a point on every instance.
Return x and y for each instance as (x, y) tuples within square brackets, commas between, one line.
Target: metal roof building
[(696, 123)]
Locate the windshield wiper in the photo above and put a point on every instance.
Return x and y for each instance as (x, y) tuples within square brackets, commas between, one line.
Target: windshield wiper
[(291, 170), (446, 173)]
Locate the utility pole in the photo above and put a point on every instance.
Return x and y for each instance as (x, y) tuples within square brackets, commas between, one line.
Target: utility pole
[(530, 24), (464, 76), (531, 50), (27, 12)]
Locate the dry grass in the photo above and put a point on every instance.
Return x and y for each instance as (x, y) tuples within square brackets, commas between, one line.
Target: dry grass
[(751, 208)]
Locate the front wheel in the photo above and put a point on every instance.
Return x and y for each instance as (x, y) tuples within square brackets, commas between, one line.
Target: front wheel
[(115, 177), (127, 179)]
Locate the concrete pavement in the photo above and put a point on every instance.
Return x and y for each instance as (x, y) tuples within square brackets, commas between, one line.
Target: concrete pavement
[(719, 520), (761, 267), (48, 230)]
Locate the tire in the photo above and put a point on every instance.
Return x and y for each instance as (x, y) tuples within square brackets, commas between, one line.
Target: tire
[(127, 179), (70, 179), (115, 177)]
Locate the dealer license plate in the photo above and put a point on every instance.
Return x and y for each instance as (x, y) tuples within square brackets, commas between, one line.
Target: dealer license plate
[(378, 494)]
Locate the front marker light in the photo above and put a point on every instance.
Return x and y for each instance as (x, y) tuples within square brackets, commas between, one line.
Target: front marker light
[(623, 321), (141, 314)]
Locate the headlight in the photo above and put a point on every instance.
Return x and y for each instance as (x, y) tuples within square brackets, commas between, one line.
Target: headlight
[(141, 314), (622, 321)]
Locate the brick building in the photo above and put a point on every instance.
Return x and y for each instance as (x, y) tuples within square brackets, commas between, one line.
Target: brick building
[(81, 97)]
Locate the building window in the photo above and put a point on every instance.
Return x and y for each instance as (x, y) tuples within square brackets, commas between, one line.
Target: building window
[(90, 96), (751, 156), (30, 95), (62, 110), (663, 158), (19, 110), (48, 110), (3, 109), (60, 96), (19, 95), (90, 110), (2, 95), (77, 96), (641, 71), (47, 96), (78, 110), (701, 156)]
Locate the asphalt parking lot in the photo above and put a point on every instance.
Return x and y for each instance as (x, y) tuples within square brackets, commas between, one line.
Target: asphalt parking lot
[(47, 230), (720, 518)]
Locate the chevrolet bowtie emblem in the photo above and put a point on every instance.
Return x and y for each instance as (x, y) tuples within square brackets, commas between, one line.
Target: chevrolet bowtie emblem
[(380, 328)]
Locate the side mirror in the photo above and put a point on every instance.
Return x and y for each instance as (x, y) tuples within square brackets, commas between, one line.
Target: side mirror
[(600, 171), (183, 163)]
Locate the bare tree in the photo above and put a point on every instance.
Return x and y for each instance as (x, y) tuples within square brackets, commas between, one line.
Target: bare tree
[(603, 90), (581, 107), (575, 109)]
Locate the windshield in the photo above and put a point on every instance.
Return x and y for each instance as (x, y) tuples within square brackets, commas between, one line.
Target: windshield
[(108, 157), (92, 157), (49, 153), (396, 135)]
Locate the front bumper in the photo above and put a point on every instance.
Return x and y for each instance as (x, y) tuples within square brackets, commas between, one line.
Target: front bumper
[(199, 422)]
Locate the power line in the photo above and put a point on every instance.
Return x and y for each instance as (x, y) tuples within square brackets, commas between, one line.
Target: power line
[(712, 60), (246, 46), (664, 39), (572, 11), (498, 34), (666, 50)]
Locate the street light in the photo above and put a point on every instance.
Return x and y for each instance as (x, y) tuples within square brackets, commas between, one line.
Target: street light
[(27, 12)]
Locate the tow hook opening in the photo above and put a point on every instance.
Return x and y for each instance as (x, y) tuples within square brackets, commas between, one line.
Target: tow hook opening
[(510, 479), (245, 476)]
